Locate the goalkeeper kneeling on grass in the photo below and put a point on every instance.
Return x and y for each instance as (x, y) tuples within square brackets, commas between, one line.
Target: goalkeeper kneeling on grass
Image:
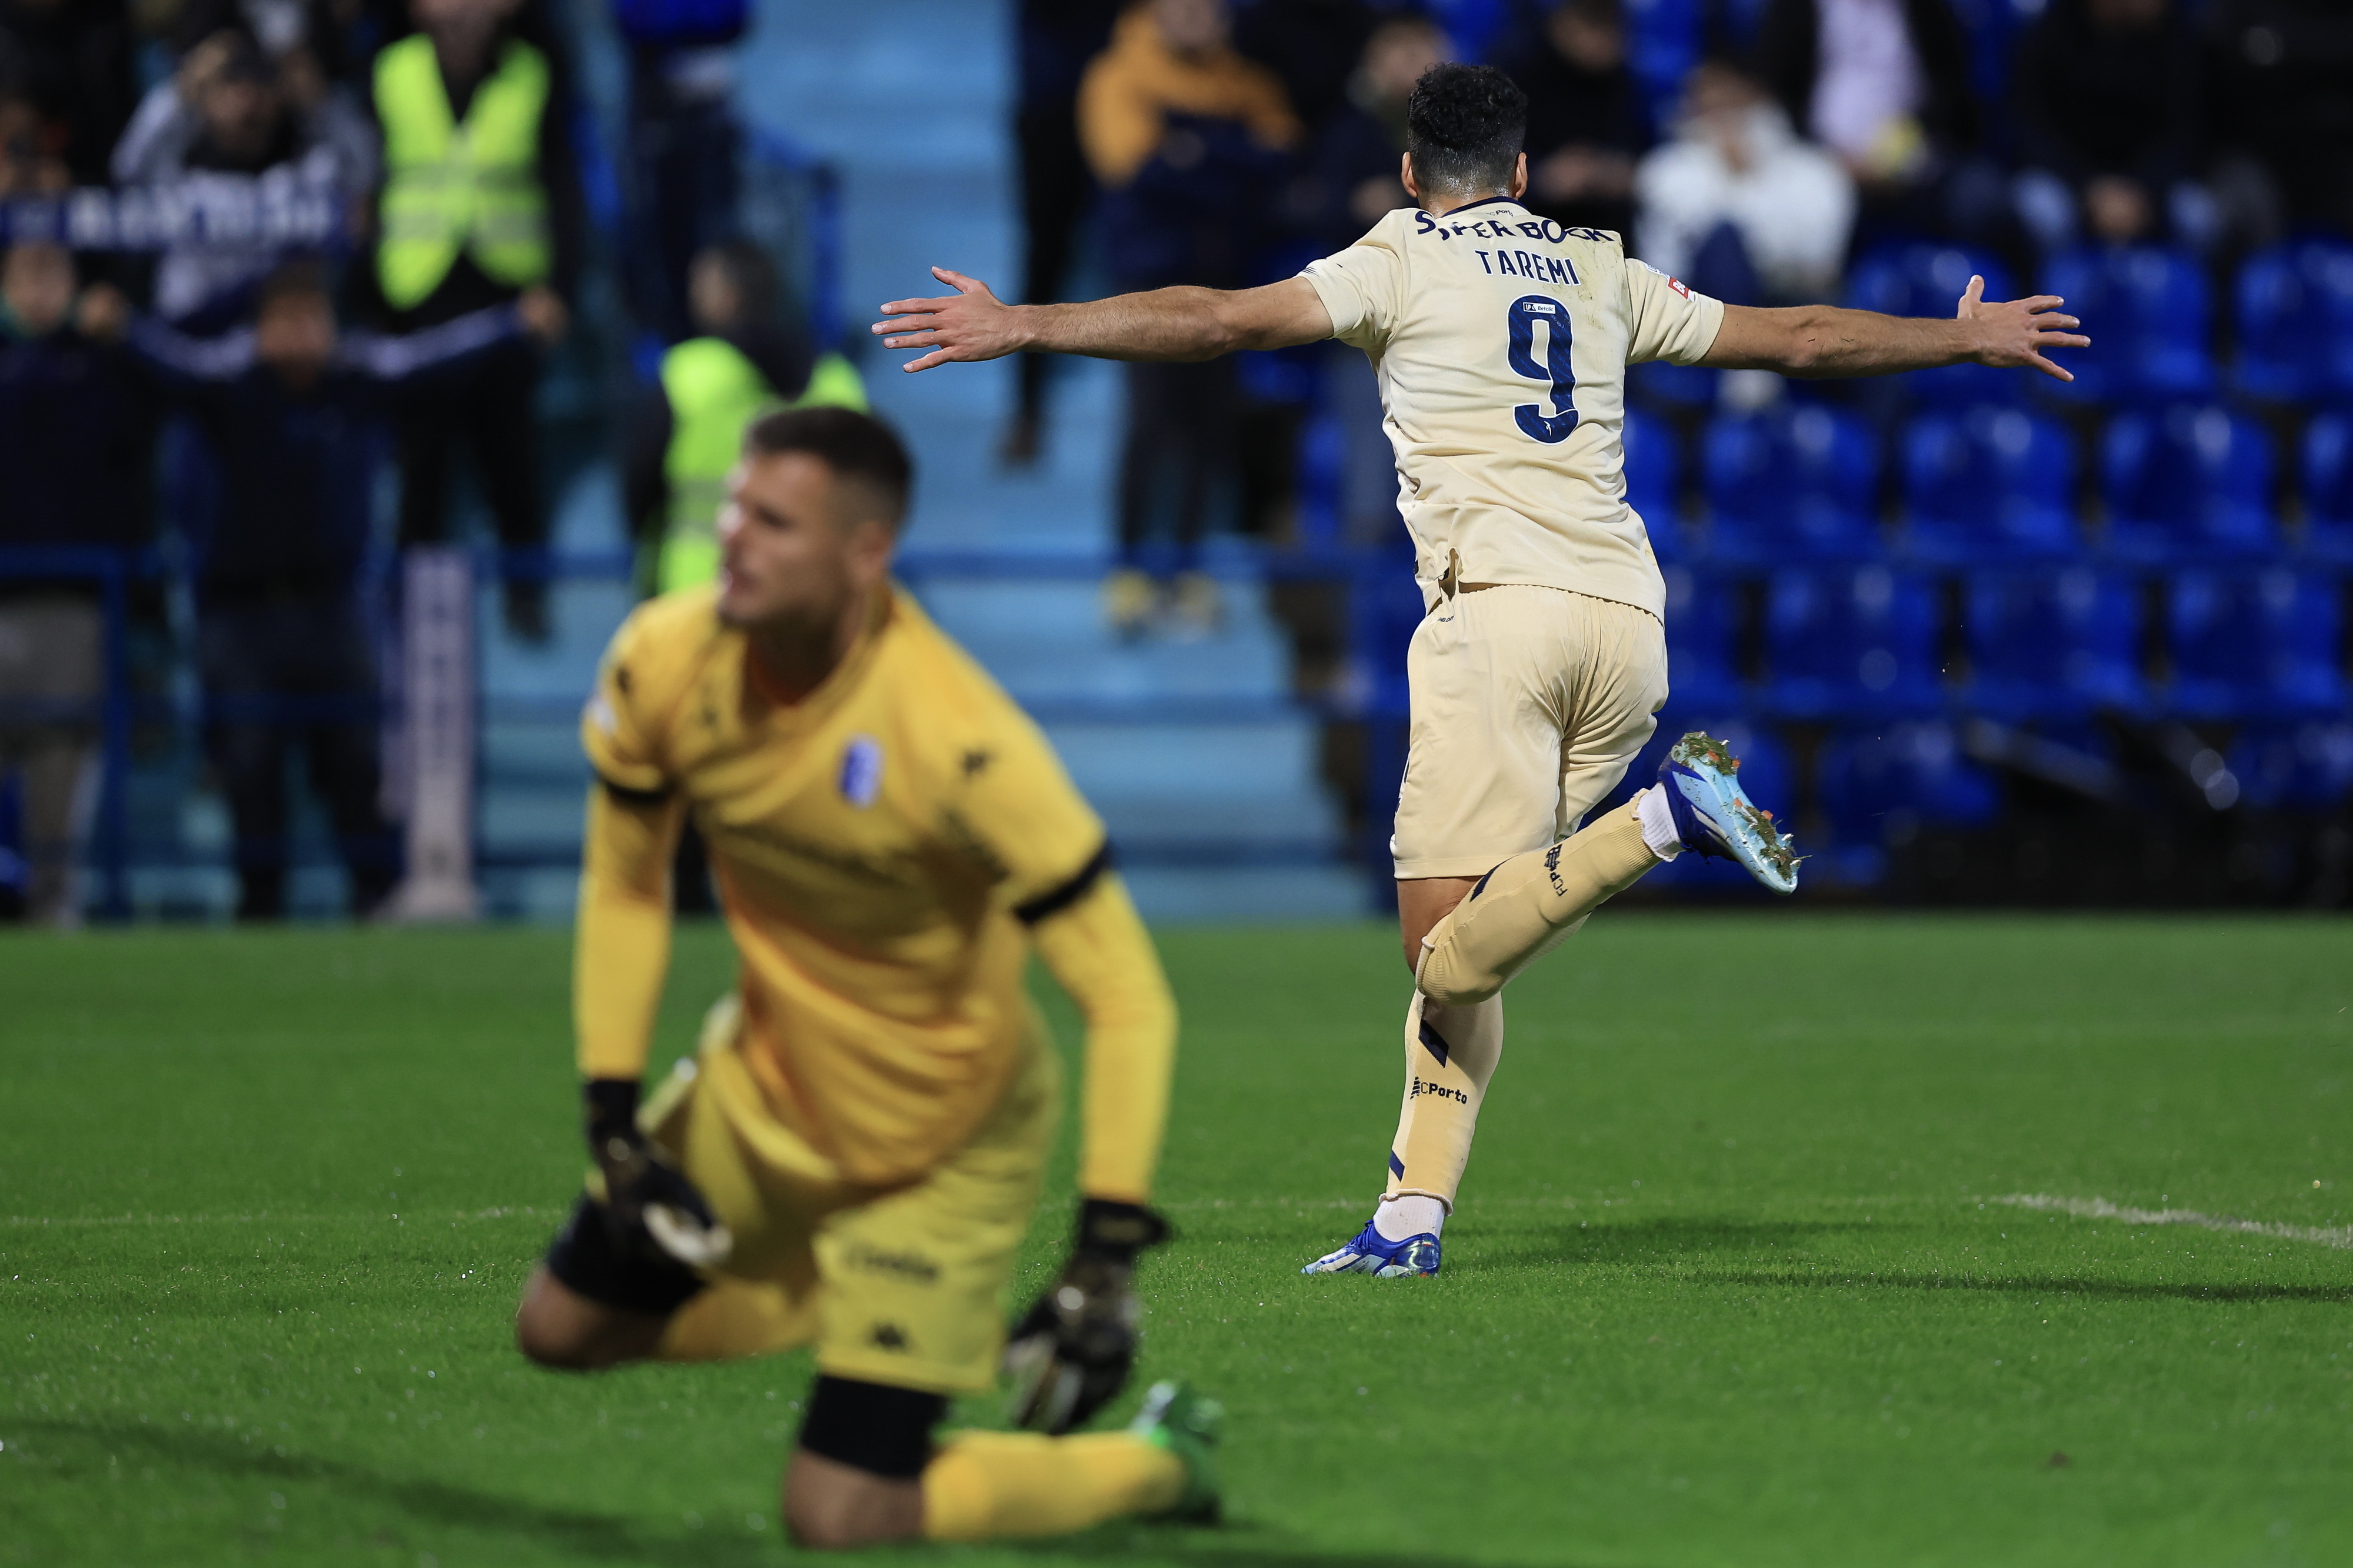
[(853, 1157)]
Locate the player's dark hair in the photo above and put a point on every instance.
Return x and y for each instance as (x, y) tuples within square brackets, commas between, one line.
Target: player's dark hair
[(854, 446), (1463, 126)]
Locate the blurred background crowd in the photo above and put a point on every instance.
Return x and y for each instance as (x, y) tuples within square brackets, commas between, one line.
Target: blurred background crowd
[(294, 290)]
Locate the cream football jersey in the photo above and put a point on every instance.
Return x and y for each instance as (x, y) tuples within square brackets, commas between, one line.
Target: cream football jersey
[(1502, 340)]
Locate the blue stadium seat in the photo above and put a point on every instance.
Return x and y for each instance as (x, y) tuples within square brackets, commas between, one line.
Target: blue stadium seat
[(1791, 484), (2328, 488), (1675, 386), (1926, 281), (2189, 485), (1385, 608), (1703, 630), (1877, 789), (2053, 643), (1654, 481), (2147, 311), (2294, 767), (1858, 641), (2254, 644), (1991, 485), (2295, 322)]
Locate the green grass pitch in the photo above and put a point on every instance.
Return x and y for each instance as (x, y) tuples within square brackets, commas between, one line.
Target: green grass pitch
[(1732, 1282)]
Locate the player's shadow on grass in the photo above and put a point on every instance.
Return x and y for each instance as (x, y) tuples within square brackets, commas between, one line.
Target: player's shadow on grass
[(428, 1503), (1512, 1242)]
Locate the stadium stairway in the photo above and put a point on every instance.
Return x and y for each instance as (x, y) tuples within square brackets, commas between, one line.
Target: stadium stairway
[(1204, 767)]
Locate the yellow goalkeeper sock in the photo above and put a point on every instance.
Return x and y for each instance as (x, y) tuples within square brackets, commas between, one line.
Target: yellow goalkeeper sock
[(1450, 1056), (997, 1486), (1529, 905)]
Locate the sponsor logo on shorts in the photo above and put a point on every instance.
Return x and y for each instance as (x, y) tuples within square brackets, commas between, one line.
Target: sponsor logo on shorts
[(900, 1265), (1552, 869), (1440, 1089), (888, 1337)]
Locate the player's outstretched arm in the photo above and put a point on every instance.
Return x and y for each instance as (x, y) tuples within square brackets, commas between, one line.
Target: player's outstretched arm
[(1186, 323), (1819, 340)]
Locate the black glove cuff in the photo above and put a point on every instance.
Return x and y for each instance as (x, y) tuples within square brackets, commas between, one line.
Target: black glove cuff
[(612, 1108), (1116, 1232)]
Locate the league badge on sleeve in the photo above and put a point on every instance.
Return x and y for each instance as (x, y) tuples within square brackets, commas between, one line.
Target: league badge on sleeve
[(861, 771)]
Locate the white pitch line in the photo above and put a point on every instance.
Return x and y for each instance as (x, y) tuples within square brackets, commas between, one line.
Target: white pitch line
[(2100, 1208)]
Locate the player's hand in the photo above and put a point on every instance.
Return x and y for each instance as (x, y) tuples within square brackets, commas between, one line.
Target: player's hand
[(970, 324), (1070, 1356), (650, 1209), (2016, 333)]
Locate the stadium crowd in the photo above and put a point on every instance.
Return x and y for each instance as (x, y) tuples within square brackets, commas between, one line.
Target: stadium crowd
[(253, 250), (344, 231), (1900, 589)]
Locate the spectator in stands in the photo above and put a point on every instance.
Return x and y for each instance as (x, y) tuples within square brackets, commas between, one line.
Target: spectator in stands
[(682, 145), (1884, 85), (1587, 127), (1738, 207), (73, 63), (1056, 40), (1348, 177), (223, 135), (293, 412), (688, 426), (2283, 76), (1187, 139), (1313, 46), (479, 208), (74, 436), (2105, 97)]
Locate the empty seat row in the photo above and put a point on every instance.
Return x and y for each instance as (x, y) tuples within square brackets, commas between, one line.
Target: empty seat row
[(2033, 643), (2184, 484)]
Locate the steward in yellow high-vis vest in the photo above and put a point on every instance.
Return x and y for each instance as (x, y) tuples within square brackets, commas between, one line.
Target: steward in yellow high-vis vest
[(714, 390), (456, 186), (745, 362)]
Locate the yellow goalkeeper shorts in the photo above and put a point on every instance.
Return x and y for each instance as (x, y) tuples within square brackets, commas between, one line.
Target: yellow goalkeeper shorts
[(904, 1286)]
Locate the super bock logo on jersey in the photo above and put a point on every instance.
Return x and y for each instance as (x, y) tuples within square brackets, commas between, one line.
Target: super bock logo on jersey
[(861, 771)]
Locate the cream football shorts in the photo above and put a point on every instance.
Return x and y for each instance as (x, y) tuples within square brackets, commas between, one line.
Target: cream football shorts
[(1528, 706)]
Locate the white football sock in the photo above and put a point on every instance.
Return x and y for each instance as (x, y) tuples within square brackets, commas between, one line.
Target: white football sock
[(1411, 1214), (1658, 834)]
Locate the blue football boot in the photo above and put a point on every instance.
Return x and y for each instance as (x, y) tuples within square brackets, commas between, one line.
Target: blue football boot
[(1372, 1253), (1714, 817)]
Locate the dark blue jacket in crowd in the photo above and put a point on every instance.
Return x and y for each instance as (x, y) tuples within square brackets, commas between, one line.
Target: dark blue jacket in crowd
[(1196, 212), (297, 465), (75, 431)]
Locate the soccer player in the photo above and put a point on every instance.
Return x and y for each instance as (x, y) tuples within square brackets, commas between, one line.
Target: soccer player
[(852, 1158), (1502, 340)]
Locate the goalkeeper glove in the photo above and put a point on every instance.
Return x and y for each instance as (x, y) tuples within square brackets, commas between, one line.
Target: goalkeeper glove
[(1070, 1356), (652, 1212)]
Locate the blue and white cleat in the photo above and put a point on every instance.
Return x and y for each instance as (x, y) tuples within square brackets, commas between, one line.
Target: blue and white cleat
[(1714, 817), (1372, 1253)]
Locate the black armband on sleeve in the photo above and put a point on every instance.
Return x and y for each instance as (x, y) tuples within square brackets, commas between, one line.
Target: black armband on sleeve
[(627, 796), (1054, 900), (1116, 1232)]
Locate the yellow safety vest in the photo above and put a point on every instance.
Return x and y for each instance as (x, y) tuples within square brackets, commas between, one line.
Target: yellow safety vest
[(714, 391), (448, 186)]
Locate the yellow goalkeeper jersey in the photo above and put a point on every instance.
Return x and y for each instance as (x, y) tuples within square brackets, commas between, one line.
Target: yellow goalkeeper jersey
[(879, 846)]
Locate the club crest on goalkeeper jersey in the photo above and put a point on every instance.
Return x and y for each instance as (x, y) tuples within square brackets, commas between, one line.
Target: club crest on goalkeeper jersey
[(877, 846), (1501, 341)]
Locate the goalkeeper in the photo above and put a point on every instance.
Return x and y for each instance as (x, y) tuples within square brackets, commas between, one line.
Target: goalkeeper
[(854, 1156)]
